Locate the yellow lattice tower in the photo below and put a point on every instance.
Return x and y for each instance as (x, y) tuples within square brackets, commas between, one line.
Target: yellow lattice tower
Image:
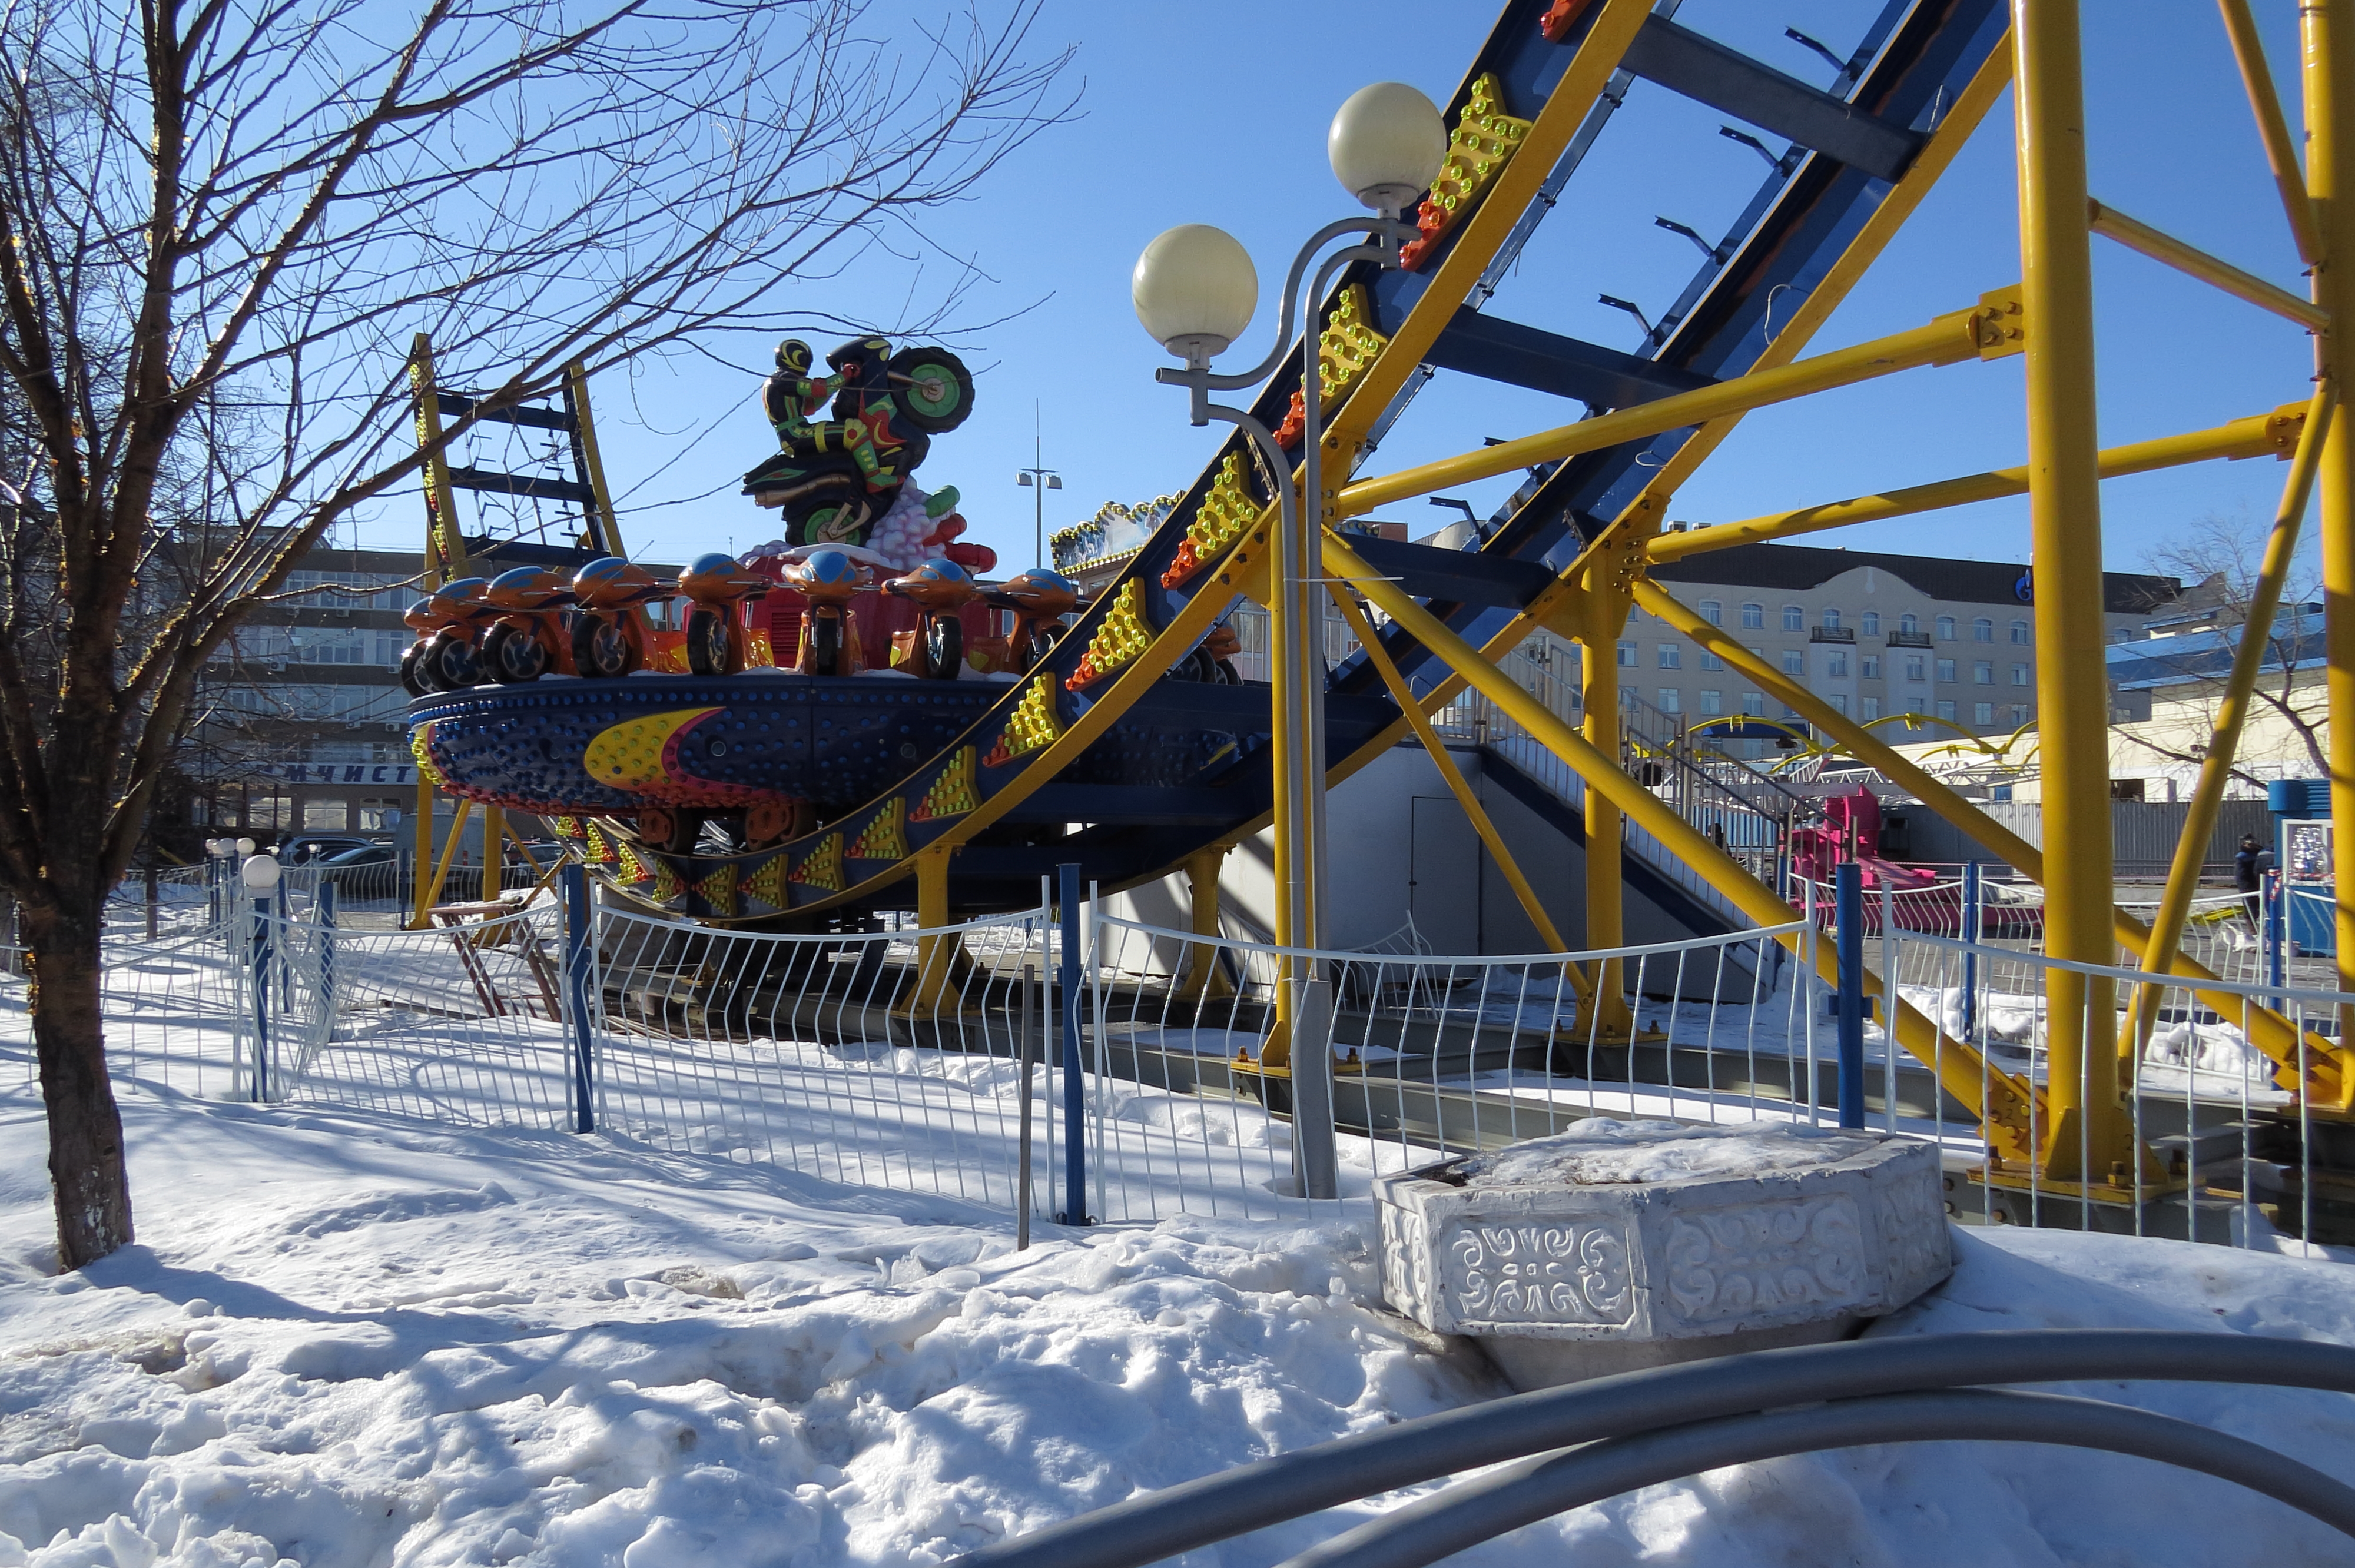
[(885, 836), (953, 794), (1344, 349), (823, 867), (768, 882), (1218, 522), (1033, 726), (1122, 636), (1484, 143)]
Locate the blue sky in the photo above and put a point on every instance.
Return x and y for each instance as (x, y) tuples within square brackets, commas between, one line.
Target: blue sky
[(1215, 112)]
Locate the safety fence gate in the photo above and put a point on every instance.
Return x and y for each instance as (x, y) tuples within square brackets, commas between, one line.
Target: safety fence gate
[(1165, 1078)]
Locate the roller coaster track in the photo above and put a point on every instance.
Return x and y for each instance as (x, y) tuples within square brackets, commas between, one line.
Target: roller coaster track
[(1150, 771)]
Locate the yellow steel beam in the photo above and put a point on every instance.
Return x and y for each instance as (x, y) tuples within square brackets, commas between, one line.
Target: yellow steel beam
[(935, 955), (1992, 328), (2249, 53), (1200, 978), (494, 852), (2008, 1104), (2260, 435), (2089, 1135), (2329, 29), (1479, 236), (2231, 712), (428, 896), (2164, 249), (576, 376), (1457, 784), (2329, 1076)]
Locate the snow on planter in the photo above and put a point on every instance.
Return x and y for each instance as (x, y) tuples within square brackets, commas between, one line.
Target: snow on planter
[(1622, 1244)]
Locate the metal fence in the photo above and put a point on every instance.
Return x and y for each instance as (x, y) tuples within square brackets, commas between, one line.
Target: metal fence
[(1128, 1065)]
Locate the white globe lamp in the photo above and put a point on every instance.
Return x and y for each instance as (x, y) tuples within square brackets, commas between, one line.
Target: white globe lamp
[(1387, 145), (1194, 289), (260, 873), (245, 846)]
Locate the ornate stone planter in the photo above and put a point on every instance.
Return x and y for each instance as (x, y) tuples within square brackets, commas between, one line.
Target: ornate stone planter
[(1622, 1244)]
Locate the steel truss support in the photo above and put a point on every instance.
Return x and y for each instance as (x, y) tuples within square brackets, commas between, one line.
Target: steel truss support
[(2090, 1137), (2329, 79), (1200, 979), (1457, 784), (2260, 435), (1988, 331), (2330, 1082), (2007, 1107), (2232, 713), (2265, 103)]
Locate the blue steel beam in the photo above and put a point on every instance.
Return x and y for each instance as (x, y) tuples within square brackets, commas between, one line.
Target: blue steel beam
[(1707, 72), (1499, 350)]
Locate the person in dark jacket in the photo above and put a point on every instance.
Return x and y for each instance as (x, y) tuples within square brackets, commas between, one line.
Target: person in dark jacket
[(2249, 868)]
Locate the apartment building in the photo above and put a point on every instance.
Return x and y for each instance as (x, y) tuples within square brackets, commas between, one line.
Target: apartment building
[(1876, 636)]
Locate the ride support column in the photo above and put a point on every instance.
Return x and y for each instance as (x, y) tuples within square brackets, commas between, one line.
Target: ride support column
[(2329, 74), (2089, 1138)]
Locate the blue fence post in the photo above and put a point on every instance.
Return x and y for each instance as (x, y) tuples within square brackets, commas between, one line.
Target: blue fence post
[(2274, 925), (1848, 908), (1970, 933), (1075, 1152), (577, 954), (260, 962)]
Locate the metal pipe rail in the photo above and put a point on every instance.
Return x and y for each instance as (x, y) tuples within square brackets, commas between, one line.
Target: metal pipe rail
[(1289, 1486), (1467, 1514)]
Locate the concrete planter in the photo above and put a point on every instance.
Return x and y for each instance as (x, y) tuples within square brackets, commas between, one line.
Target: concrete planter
[(1563, 1276)]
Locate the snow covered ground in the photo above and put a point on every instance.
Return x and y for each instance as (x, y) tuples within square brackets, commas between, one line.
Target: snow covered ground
[(351, 1339)]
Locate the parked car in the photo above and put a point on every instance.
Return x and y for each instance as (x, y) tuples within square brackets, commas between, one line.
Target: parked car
[(305, 849), (350, 864)]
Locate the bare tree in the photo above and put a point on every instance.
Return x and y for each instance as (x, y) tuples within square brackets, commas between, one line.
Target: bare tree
[(2219, 557), (220, 223)]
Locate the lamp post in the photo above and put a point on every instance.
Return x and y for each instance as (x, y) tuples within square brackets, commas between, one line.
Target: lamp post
[(1038, 482), (1195, 291)]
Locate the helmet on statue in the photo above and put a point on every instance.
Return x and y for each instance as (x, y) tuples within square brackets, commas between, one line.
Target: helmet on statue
[(795, 355)]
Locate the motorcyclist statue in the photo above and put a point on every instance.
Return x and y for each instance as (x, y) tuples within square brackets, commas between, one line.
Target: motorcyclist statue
[(835, 476)]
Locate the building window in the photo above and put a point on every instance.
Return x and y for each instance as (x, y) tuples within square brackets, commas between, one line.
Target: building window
[(1671, 656), (1712, 702), (2019, 715), (1910, 624), (1916, 668), (2019, 631), (1793, 618), (1671, 701), (1836, 666), (2020, 674), (1793, 661), (1627, 655), (1945, 669), (1753, 616), (1947, 712), (1789, 711), (1871, 709), (1713, 611), (1754, 705), (1710, 661), (1628, 697), (1945, 628), (1872, 623), (1982, 673), (1871, 666), (1839, 703), (1982, 629), (1832, 621), (1983, 713)]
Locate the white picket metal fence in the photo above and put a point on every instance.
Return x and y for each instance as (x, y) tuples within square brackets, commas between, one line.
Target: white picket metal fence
[(933, 1060)]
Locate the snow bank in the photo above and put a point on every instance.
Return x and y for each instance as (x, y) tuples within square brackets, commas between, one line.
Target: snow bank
[(351, 1340)]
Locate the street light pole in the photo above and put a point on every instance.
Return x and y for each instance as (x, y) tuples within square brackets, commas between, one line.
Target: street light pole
[(1195, 291), (1038, 482)]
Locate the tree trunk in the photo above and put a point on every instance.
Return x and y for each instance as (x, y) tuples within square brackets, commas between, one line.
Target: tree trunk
[(86, 1175)]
